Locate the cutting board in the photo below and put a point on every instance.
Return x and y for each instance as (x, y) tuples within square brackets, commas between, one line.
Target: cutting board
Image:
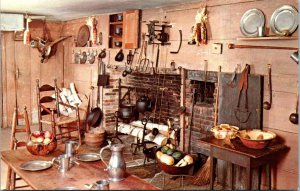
[(228, 99)]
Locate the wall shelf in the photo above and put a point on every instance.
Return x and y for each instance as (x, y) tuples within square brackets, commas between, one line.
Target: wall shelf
[(268, 38)]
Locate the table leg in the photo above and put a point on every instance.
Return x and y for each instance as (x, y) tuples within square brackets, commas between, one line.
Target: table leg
[(8, 179), (259, 177), (268, 172), (232, 176), (212, 174), (248, 178)]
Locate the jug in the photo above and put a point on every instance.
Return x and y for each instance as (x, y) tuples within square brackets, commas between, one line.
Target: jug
[(71, 147), (116, 167)]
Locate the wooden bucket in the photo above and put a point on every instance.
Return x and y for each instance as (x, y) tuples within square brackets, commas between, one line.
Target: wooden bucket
[(94, 138)]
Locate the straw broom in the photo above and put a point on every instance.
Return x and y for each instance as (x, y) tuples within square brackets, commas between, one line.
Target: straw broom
[(202, 177)]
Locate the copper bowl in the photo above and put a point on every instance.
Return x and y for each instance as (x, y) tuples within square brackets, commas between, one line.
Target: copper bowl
[(255, 138)]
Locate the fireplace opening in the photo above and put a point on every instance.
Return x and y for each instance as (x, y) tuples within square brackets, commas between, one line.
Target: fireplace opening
[(205, 92)]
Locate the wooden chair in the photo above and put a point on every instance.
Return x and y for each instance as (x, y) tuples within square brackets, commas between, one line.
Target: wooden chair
[(48, 105), (14, 144)]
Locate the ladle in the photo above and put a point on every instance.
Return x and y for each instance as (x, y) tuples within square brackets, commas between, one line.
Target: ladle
[(267, 105), (294, 116)]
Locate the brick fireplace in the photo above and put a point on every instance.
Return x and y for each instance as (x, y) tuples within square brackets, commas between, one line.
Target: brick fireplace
[(168, 99), (204, 105), (165, 88)]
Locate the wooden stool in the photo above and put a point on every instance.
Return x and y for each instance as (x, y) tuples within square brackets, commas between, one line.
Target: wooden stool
[(14, 144)]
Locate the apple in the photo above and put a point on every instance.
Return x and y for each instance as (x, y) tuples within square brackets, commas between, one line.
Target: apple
[(48, 134), (36, 134), (33, 139), (47, 141), (40, 139)]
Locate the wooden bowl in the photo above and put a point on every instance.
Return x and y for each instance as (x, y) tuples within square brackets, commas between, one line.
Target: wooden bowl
[(255, 138), (41, 149), (172, 169)]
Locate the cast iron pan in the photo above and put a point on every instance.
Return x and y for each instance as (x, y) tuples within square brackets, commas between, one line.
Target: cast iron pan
[(94, 117)]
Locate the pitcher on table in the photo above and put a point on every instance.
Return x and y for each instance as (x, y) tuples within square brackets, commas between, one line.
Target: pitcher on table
[(116, 167)]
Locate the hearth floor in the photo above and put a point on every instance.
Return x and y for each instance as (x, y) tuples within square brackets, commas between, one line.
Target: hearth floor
[(134, 166)]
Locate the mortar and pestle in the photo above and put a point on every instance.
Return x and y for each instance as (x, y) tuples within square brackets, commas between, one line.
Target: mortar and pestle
[(294, 116)]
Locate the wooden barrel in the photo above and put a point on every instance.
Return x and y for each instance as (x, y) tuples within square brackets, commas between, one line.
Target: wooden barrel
[(94, 139)]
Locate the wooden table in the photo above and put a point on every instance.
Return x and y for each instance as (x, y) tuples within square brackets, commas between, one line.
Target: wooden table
[(77, 176), (236, 153)]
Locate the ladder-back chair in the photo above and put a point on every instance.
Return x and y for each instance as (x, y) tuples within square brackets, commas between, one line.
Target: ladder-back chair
[(57, 120), (14, 144)]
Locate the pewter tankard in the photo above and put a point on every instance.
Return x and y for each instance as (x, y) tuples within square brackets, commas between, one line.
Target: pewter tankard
[(116, 167)]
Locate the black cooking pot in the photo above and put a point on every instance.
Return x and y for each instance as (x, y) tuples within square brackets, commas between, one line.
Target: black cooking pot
[(126, 111), (142, 104)]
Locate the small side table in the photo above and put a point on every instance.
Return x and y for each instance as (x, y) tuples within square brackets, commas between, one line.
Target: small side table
[(236, 153)]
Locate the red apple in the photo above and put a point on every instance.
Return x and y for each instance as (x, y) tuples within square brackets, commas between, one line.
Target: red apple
[(36, 134), (40, 139), (48, 134)]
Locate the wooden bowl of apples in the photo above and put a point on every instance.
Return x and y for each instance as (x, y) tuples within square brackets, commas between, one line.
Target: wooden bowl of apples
[(41, 143)]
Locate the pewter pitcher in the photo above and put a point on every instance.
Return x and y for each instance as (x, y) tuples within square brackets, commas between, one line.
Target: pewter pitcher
[(116, 167)]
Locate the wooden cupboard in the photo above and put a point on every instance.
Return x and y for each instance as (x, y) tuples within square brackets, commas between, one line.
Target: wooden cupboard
[(124, 29)]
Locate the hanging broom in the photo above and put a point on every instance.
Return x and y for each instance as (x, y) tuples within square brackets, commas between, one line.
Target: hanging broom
[(202, 177)]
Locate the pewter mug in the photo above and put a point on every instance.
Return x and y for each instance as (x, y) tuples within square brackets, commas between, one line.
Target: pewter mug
[(116, 167), (102, 184), (71, 147), (63, 162)]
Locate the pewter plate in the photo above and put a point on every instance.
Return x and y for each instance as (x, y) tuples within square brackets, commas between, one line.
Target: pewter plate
[(284, 19), (36, 165), (88, 157), (250, 21)]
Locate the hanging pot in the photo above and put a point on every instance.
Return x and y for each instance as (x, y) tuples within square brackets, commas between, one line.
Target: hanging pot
[(142, 104), (120, 56), (126, 111)]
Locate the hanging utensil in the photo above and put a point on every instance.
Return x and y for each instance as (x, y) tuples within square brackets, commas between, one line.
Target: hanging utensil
[(94, 117), (157, 59), (144, 63), (267, 105), (233, 78), (191, 118), (180, 42), (243, 85), (102, 77), (119, 56), (294, 116)]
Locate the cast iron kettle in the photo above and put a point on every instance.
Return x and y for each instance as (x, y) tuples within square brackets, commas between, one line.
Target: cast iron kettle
[(142, 104)]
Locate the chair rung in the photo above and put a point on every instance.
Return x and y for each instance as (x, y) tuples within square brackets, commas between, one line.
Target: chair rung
[(23, 186), (20, 130)]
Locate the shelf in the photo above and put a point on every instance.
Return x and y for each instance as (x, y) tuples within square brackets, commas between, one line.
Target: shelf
[(116, 37), (268, 38), (116, 23)]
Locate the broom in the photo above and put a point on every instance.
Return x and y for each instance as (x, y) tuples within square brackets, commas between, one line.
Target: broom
[(202, 176)]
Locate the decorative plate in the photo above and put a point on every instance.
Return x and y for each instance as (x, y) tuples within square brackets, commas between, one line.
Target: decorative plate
[(284, 20), (250, 21), (83, 36)]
